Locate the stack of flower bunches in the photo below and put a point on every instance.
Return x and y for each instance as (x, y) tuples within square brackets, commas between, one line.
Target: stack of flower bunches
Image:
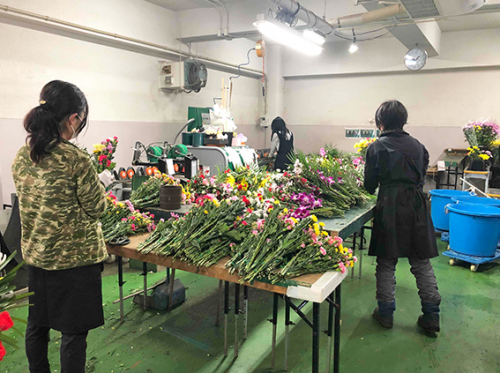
[(148, 194), (339, 180), (203, 236), (122, 219), (282, 247)]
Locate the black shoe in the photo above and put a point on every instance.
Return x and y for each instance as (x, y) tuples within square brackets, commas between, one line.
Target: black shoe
[(429, 322), (385, 321)]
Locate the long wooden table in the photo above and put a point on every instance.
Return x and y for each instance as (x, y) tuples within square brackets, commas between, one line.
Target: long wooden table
[(315, 288)]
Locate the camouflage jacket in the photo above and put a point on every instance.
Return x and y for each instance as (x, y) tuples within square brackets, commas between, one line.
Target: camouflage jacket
[(61, 200)]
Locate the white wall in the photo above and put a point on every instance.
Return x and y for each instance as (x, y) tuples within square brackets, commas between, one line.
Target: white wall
[(121, 86), (339, 89)]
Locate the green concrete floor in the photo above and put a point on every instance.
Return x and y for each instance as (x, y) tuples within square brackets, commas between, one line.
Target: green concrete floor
[(186, 339)]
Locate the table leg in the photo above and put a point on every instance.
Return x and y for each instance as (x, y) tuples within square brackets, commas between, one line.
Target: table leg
[(361, 250), (287, 331), (226, 312), (236, 315), (245, 300), (315, 347), (336, 343), (145, 274), (171, 290), (274, 322), (354, 239), (219, 301), (331, 307), (120, 285)]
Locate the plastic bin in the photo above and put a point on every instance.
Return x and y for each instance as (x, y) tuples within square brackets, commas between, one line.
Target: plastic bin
[(477, 200), (474, 228), (439, 199)]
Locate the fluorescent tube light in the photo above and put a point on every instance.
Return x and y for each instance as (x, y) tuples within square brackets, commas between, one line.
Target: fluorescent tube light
[(287, 36), (314, 37)]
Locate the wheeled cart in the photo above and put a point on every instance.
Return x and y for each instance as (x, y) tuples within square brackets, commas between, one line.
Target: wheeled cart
[(475, 261)]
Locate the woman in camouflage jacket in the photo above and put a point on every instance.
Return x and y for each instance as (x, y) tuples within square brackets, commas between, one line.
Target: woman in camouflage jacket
[(61, 200)]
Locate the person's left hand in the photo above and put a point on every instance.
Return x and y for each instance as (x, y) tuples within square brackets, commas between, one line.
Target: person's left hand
[(106, 178)]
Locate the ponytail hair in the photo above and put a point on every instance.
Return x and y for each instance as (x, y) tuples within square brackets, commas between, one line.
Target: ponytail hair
[(45, 123)]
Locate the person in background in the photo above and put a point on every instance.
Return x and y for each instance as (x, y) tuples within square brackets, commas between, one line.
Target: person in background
[(282, 143), (397, 164), (61, 199)]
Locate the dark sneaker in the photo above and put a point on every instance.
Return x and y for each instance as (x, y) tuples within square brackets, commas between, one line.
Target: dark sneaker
[(385, 321), (429, 322)]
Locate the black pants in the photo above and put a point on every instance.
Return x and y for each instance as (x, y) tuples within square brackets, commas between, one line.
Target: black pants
[(73, 350)]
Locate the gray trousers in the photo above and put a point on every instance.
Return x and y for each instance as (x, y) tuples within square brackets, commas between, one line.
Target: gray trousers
[(421, 269)]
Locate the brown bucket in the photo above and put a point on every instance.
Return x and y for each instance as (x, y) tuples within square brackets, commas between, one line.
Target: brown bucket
[(170, 197)]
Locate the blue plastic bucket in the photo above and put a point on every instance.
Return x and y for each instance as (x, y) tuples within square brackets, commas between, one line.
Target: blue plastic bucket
[(477, 200), (439, 199), (474, 229)]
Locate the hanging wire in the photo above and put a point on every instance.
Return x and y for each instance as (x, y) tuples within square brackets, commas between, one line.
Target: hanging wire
[(242, 64), (366, 33)]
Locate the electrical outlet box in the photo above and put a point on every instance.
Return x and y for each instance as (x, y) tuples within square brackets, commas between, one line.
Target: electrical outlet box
[(351, 132)]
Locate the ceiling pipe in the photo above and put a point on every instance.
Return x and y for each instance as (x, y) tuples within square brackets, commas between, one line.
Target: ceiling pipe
[(305, 15), (223, 6), (56, 26), (219, 31), (368, 17)]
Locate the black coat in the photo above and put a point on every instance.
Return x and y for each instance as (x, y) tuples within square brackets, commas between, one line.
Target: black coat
[(402, 225), (285, 152)]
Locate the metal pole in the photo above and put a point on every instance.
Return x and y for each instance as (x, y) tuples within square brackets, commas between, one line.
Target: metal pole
[(219, 301), (315, 351), (236, 315), (287, 331), (275, 322), (120, 285), (245, 300), (330, 331), (226, 312), (355, 236), (168, 276), (171, 290), (145, 274), (336, 342)]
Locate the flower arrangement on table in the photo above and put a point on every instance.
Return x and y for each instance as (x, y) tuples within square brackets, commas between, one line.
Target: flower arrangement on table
[(8, 301), (481, 133), (258, 235), (122, 219), (362, 145), (103, 155)]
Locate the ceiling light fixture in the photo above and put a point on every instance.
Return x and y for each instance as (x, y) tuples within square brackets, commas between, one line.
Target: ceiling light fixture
[(354, 47), (288, 36), (314, 37)]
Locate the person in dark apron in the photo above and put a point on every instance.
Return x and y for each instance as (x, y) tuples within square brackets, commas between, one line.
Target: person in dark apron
[(61, 199), (282, 143), (397, 164)]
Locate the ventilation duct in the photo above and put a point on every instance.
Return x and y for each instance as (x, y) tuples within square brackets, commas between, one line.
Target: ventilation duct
[(434, 8)]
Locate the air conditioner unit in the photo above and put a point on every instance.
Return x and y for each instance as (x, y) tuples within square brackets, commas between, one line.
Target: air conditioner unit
[(189, 75)]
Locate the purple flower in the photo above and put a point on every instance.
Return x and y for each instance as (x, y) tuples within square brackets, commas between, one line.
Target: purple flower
[(322, 152)]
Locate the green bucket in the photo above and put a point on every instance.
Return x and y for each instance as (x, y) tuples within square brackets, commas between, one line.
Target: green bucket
[(187, 138), (198, 138)]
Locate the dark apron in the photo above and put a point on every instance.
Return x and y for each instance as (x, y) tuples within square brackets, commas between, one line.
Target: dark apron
[(69, 300), (284, 154)]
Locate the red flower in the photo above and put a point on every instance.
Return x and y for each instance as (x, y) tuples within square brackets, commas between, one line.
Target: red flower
[(102, 157), (303, 180), (116, 138), (109, 163), (5, 321), (2, 351), (152, 216), (244, 222)]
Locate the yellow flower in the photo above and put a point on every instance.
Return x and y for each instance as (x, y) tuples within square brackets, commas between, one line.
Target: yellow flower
[(276, 202), (314, 218), (205, 212), (321, 224), (476, 147), (341, 248), (324, 233), (99, 147), (350, 255), (285, 210), (484, 156), (352, 264), (295, 220)]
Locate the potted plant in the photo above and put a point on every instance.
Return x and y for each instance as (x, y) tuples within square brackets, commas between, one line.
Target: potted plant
[(480, 160)]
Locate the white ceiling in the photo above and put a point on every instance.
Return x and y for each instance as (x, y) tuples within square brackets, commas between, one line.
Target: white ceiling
[(177, 5)]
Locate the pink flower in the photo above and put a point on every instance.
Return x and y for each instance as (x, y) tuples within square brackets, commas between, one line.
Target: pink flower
[(232, 244), (354, 259), (124, 219), (322, 152), (133, 227), (244, 222), (260, 224), (268, 240), (323, 251), (303, 245), (255, 232)]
